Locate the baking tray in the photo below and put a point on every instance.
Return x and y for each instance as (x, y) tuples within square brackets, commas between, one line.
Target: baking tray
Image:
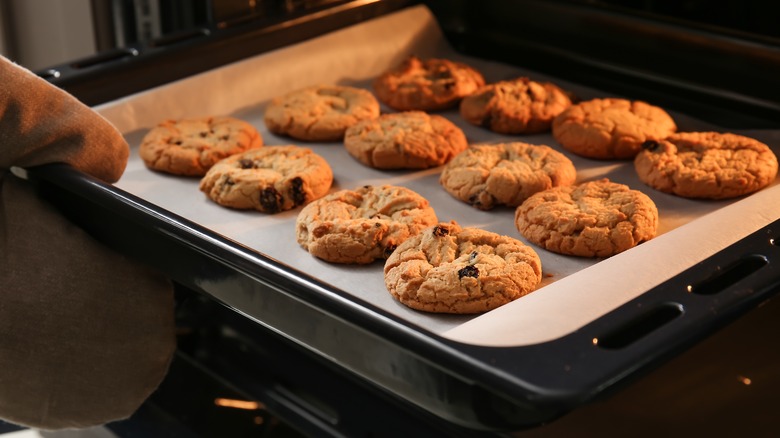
[(592, 325)]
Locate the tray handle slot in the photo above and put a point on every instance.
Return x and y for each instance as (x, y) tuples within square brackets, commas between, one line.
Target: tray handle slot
[(639, 327), (724, 278)]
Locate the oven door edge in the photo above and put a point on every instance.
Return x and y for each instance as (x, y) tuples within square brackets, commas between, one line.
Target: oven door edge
[(472, 386)]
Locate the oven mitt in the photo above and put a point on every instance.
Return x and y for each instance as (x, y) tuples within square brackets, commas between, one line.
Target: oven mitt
[(86, 335)]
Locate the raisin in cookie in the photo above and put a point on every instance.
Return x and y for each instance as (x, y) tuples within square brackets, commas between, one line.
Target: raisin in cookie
[(405, 140), (449, 269), (708, 165), (611, 128), (269, 179), (427, 85), (518, 106), (362, 225), (190, 147), (593, 219), (320, 113), (487, 175)]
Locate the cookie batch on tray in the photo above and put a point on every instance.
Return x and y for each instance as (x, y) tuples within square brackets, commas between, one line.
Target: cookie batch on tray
[(432, 264)]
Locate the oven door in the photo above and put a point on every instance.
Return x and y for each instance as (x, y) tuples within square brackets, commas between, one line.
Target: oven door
[(281, 336)]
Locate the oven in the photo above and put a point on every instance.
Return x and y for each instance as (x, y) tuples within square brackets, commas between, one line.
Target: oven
[(268, 341)]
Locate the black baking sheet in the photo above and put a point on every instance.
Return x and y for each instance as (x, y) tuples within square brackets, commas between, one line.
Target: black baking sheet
[(574, 291)]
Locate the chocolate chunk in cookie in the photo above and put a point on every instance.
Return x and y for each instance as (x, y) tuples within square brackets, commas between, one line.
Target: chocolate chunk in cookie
[(270, 179), (593, 219), (362, 225), (427, 85), (463, 271), (708, 165), (488, 175), (189, 147)]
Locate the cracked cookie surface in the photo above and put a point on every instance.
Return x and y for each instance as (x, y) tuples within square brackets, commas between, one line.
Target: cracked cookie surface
[(320, 113), (270, 179), (518, 106), (362, 225), (427, 84), (488, 175), (593, 219), (189, 147), (611, 128), (708, 165), (449, 269), (405, 140)]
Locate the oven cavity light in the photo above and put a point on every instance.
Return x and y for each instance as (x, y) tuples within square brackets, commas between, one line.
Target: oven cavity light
[(744, 380), (595, 341), (689, 288), (237, 404)]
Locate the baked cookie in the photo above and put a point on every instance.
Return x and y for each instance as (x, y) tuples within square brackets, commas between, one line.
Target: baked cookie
[(518, 106), (405, 140), (449, 269), (708, 165), (190, 147), (362, 225), (487, 175), (611, 128), (321, 112), (427, 85), (270, 179), (593, 219)]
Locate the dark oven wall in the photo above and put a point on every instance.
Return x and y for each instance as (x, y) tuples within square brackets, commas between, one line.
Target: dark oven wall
[(702, 59), (749, 19), (714, 59), (133, 57)]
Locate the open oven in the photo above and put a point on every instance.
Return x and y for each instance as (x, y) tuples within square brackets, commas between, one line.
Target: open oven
[(323, 348)]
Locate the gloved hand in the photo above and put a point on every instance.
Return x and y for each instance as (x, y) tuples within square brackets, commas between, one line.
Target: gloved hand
[(86, 335)]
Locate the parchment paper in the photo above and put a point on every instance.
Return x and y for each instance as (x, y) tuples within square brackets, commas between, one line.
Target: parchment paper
[(574, 291)]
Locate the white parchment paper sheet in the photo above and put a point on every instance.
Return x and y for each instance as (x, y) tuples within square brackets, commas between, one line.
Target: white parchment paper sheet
[(574, 291)]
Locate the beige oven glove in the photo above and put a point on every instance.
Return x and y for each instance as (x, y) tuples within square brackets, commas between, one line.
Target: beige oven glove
[(86, 335)]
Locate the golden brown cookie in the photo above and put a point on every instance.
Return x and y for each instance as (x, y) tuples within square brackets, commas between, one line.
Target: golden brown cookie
[(487, 175), (518, 106), (321, 112), (593, 219), (449, 269), (405, 140), (362, 225), (427, 85), (708, 165), (269, 179), (611, 128), (190, 147)]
